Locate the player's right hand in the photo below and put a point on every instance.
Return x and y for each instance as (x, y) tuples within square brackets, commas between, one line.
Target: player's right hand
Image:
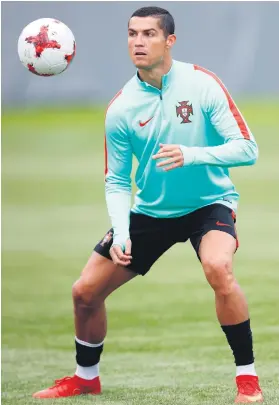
[(118, 256)]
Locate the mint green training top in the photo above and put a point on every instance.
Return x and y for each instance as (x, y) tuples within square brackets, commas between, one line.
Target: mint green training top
[(194, 110)]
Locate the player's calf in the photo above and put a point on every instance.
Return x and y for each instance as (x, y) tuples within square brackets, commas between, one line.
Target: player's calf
[(88, 294)]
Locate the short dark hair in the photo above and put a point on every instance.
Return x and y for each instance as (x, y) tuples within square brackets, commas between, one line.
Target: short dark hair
[(166, 19)]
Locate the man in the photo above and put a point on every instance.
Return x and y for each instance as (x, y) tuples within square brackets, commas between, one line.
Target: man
[(185, 130)]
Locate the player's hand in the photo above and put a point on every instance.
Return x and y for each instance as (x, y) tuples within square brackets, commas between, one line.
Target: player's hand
[(118, 256), (174, 155)]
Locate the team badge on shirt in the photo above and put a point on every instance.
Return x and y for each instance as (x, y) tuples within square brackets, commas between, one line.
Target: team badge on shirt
[(184, 110)]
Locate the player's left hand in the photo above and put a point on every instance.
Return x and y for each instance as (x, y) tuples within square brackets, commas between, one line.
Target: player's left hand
[(173, 152)]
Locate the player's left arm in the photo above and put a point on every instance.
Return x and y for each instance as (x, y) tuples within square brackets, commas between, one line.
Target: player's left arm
[(239, 147)]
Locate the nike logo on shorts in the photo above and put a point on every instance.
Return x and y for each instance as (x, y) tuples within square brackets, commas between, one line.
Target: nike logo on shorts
[(222, 224)]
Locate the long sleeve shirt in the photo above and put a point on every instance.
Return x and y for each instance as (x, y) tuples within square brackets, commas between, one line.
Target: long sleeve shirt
[(193, 109)]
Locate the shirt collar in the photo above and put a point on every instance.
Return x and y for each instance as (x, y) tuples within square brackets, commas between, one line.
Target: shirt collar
[(166, 79)]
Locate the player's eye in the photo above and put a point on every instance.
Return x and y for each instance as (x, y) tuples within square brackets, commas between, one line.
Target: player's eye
[(132, 34)]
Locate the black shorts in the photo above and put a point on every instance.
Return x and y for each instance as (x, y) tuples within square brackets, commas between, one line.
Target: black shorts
[(151, 237)]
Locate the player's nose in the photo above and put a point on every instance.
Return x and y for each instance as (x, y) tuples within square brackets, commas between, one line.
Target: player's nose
[(139, 41)]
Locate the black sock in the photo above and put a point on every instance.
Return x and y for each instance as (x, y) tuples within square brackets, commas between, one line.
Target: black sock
[(88, 356), (241, 342)]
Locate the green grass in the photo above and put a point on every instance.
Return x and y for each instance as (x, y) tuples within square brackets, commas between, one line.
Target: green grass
[(164, 345)]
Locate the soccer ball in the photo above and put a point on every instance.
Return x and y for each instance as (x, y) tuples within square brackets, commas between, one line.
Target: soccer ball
[(46, 47)]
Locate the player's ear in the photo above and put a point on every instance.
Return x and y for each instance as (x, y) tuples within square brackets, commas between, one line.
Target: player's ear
[(171, 41)]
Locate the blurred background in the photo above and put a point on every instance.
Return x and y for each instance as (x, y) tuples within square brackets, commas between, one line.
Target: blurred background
[(164, 345), (233, 39)]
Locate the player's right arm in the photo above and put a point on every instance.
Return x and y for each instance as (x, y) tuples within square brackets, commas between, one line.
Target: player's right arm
[(118, 188)]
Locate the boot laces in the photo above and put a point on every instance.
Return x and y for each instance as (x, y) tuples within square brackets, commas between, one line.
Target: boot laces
[(61, 381)]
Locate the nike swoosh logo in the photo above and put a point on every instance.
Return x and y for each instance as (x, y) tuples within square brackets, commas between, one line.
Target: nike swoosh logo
[(142, 124), (222, 224)]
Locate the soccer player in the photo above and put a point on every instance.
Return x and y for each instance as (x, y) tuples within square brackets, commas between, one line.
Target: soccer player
[(185, 130)]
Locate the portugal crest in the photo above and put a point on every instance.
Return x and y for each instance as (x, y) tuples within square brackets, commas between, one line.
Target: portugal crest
[(184, 110)]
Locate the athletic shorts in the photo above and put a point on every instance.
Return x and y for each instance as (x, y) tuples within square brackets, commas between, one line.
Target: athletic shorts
[(151, 237)]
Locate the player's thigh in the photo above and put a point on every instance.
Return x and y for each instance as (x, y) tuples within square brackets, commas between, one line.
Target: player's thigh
[(216, 245), (101, 276), (213, 232)]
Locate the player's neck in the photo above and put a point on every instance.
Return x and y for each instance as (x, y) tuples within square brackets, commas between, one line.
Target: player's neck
[(154, 75)]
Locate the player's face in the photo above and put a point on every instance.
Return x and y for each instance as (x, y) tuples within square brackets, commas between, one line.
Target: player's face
[(146, 42)]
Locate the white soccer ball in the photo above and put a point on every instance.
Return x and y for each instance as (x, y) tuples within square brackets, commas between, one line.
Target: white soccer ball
[(46, 47)]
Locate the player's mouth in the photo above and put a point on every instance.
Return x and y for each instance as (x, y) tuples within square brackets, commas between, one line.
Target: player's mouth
[(139, 53)]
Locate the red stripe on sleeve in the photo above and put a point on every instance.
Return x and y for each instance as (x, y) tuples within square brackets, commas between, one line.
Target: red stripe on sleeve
[(239, 120), (106, 156), (105, 144)]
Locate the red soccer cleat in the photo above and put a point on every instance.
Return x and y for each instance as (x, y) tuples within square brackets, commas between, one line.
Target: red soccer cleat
[(69, 387), (248, 389)]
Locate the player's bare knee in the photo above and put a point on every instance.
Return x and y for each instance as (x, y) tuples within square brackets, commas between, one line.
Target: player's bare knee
[(219, 274), (87, 294)]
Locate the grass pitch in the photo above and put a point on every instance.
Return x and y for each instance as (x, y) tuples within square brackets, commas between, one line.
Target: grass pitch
[(164, 345)]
